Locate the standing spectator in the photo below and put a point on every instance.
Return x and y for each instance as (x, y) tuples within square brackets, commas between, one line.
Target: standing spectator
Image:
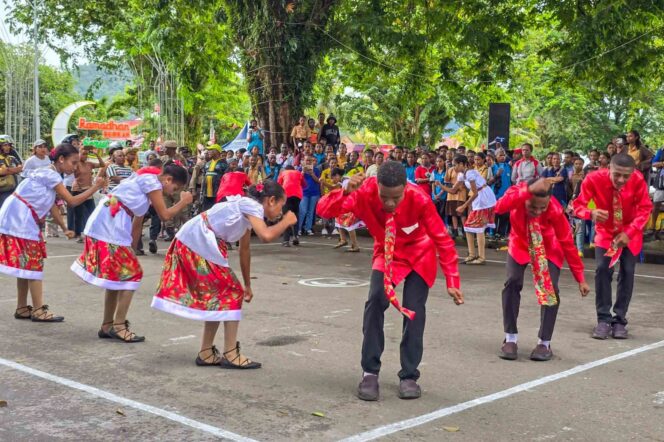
[(321, 121), (502, 177), (342, 156), (423, 173), (398, 155), (411, 166), (527, 167), (368, 159), (327, 184), (292, 181), (438, 194), (373, 169), (255, 137), (559, 177), (284, 158), (604, 160), (470, 155), (593, 164), (353, 165), (214, 169), (38, 159), (255, 171), (319, 154), (329, 133), (82, 182), (313, 138), (455, 200), (300, 133), (611, 148), (658, 199), (573, 191), (568, 162), (9, 140), (641, 154), (481, 166), (10, 168), (151, 151), (622, 211), (310, 197), (117, 171), (172, 155), (131, 158), (272, 168)]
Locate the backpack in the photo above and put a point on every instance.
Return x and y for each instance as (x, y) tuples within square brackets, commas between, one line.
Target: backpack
[(7, 182)]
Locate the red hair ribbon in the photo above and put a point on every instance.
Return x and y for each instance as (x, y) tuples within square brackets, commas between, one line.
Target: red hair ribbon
[(149, 170), (259, 187)]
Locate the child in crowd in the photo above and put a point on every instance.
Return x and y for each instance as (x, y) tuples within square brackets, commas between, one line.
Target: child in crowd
[(22, 246), (197, 281), (346, 223), (108, 260)]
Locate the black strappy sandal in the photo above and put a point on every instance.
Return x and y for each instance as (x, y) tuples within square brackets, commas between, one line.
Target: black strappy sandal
[(216, 360), (43, 316), (246, 365), (102, 334), (18, 314), (129, 338)]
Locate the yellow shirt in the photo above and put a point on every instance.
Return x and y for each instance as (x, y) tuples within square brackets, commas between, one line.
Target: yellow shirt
[(636, 154), (301, 132), (208, 179), (341, 161), (326, 180)]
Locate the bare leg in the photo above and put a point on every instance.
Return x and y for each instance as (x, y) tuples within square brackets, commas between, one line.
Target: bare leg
[(36, 292), (110, 305), (471, 244), (209, 332), (124, 301), (22, 293), (481, 246), (455, 222), (353, 239), (230, 343)]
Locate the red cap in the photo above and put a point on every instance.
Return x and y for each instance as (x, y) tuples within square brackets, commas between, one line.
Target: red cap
[(518, 151)]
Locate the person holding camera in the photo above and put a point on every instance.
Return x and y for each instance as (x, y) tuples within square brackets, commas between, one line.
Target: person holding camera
[(255, 137)]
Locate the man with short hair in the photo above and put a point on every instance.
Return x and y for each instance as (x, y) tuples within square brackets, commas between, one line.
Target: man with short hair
[(568, 162), (622, 209), (527, 167), (540, 236), (329, 133), (408, 238), (213, 170)]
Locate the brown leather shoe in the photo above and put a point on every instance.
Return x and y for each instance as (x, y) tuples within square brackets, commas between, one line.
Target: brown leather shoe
[(602, 330), (368, 389), (408, 389), (509, 351), (618, 331), (541, 353)]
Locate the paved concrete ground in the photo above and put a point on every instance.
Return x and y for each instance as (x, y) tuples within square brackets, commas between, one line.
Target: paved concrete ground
[(309, 340)]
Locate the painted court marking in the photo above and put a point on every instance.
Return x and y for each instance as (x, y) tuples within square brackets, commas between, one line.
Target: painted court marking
[(64, 256), (215, 431), (447, 411)]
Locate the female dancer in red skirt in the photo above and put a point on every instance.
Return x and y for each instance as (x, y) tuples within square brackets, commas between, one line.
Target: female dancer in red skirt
[(22, 246), (108, 260), (197, 282)]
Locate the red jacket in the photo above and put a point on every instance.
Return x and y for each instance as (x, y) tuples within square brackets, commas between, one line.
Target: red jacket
[(420, 231), (556, 232), (636, 207), (293, 182), (232, 183)]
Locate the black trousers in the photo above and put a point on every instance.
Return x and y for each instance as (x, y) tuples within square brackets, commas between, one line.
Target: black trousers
[(503, 224), (81, 213), (603, 279), (512, 299), (207, 203), (415, 293), (71, 215), (293, 205)]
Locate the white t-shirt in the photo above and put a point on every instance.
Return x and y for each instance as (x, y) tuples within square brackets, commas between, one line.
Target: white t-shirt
[(485, 198), (228, 222), (38, 189), (133, 193), (33, 163)]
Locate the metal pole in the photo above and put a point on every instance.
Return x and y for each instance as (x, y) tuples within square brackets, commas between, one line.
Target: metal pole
[(36, 70)]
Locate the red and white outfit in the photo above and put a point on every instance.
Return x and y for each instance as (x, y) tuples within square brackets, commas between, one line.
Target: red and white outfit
[(22, 246), (481, 215), (348, 221), (108, 260), (232, 183), (196, 281)]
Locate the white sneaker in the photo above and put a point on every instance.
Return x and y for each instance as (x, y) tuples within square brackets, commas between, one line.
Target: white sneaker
[(310, 232), (323, 232), (335, 232)]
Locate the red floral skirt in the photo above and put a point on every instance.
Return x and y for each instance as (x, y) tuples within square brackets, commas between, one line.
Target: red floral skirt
[(348, 221), (108, 266), (22, 258), (479, 220), (195, 288)]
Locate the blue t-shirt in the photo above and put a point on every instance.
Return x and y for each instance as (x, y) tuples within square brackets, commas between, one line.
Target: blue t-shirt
[(559, 190), (501, 186), (320, 158), (439, 176), (312, 188), (255, 141), (410, 173)]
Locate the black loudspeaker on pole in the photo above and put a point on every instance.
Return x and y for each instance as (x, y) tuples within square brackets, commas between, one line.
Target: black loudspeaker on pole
[(499, 125)]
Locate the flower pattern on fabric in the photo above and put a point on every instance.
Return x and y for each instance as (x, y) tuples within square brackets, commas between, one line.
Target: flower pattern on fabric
[(189, 280), (544, 290), (615, 252), (346, 220), (110, 262), (20, 253), (390, 241), (481, 219)]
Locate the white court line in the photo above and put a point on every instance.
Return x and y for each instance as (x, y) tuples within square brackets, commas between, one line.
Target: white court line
[(215, 431), (63, 256), (443, 412)]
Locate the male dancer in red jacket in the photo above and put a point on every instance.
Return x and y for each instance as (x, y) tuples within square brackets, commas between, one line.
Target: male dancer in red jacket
[(540, 236), (622, 211), (408, 237)]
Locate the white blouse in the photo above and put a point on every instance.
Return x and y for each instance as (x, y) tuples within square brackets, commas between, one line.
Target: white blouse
[(38, 189), (228, 222), (133, 193), (486, 198)]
